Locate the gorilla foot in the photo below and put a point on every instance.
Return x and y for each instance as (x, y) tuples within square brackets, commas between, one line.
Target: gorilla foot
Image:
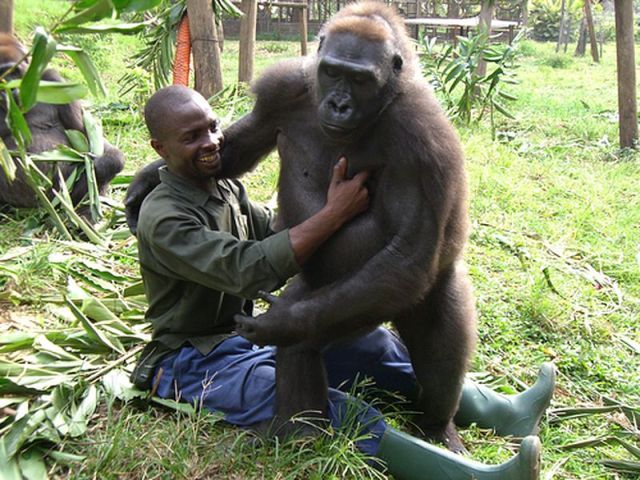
[(448, 436)]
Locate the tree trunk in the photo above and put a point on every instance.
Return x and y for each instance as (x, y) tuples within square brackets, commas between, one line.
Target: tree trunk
[(6, 16), (524, 18), (304, 30), (247, 40), (484, 24), (625, 55), (581, 47), (205, 48), (453, 9), (592, 31), (562, 26)]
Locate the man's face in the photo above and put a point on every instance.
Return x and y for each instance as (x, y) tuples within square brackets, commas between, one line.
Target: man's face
[(191, 142)]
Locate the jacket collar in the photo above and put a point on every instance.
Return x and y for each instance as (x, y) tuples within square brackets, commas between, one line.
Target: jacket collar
[(193, 194)]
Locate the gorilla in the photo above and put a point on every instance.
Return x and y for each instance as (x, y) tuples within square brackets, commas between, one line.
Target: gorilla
[(47, 123), (361, 96)]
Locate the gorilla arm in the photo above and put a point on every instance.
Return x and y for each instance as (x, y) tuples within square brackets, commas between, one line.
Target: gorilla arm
[(393, 279)]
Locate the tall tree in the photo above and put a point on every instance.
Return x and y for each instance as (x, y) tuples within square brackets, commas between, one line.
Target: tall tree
[(592, 31), (625, 49), (205, 47), (6, 16), (247, 40)]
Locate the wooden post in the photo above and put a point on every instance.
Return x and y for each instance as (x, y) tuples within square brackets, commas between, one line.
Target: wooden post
[(304, 30), (247, 40), (205, 48), (6, 16), (592, 31), (625, 55)]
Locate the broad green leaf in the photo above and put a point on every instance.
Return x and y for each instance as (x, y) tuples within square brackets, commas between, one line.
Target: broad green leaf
[(8, 387), (117, 383), (134, 290), (173, 405), (21, 430), (12, 341), (77, 140), (60, 93), (58, 155), (623, 466), (87, 68), (7, 402), (96, 10), (17, 124), (95, 309), (135, 5), (92, 189), (6, 162), (9, 469), (94, 133), (64, 458), (43, 344), (82, 413), (105, 27), (32, 465), (93, 330), (503, 110), (44, 47)]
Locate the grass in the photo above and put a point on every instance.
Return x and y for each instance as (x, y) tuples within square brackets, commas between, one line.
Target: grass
[(554, 256)]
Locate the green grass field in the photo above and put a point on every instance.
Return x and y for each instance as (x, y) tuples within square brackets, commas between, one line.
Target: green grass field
[(554, 256)]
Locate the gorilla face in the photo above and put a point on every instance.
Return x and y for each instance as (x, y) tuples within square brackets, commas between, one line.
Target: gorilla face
[(354, 79)]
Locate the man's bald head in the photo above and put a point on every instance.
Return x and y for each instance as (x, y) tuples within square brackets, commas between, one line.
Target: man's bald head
[(161, 106)]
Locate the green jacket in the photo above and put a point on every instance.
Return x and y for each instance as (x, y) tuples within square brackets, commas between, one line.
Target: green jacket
[(202, 258)]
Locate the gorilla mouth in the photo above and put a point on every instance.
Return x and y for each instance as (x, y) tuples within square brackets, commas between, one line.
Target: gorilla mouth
[(336, 131)]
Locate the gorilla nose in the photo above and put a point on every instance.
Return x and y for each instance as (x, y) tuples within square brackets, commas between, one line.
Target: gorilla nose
[(340, 108)]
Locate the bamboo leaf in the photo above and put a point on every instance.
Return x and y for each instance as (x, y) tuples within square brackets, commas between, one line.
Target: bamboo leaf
[(17, 123), (117, 384), (77, 140), (94, 12), (44, 47), (6, 162), (43, 344), (94, 132), (623, 466), (32, 465), (21, 430), (9, 469), (87, 68), (9, 387), (106, 27), (12, 341), (93, 331)]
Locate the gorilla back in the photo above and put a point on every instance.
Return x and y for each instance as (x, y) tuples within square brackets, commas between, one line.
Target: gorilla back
[(361, 96), (47, 123)]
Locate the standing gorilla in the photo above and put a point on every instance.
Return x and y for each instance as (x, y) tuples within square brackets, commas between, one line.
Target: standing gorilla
[(362, 97), (47, 123)]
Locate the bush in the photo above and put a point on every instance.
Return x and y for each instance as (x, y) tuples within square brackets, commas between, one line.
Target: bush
[(544, 18)]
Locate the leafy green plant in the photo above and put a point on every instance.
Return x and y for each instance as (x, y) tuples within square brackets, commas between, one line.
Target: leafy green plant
[(544, 18), (453, 72)]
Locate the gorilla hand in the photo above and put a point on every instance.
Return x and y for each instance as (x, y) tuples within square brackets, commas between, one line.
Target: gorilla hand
[(281, 325), (145, 180)]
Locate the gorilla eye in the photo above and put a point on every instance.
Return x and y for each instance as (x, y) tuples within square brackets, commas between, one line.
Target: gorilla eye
[(213, 126), (359, 79)]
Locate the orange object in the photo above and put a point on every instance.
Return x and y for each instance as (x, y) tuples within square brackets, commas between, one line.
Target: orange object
[(183, 53)]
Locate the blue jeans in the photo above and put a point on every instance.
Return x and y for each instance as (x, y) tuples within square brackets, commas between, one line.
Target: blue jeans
[(237, 379)]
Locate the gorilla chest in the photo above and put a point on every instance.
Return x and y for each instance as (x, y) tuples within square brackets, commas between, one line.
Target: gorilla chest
[(305, 174)]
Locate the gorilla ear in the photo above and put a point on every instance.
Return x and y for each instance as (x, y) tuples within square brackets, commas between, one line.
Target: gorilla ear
[(397, 63)]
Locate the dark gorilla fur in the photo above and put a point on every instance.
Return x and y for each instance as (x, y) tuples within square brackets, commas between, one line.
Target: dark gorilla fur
[(362, 96), (47, 123)]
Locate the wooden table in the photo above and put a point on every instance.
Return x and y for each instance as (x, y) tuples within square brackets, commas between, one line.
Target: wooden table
[(463, 25)]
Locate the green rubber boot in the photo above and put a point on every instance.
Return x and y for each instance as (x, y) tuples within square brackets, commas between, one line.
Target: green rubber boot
[(516, 415), (409, 458)]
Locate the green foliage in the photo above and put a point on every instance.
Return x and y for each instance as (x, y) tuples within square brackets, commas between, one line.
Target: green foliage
[(544, 17), (453, 72)]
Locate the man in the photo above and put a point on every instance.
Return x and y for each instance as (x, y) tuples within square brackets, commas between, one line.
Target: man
[(205, 251)]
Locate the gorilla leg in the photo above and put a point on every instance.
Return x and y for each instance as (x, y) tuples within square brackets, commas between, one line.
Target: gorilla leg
[(440, 335)]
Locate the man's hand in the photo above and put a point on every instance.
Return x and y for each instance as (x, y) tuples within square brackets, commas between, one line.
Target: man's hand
[(347, 198)]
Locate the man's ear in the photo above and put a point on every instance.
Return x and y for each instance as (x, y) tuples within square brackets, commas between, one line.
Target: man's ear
[(158, 147)]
